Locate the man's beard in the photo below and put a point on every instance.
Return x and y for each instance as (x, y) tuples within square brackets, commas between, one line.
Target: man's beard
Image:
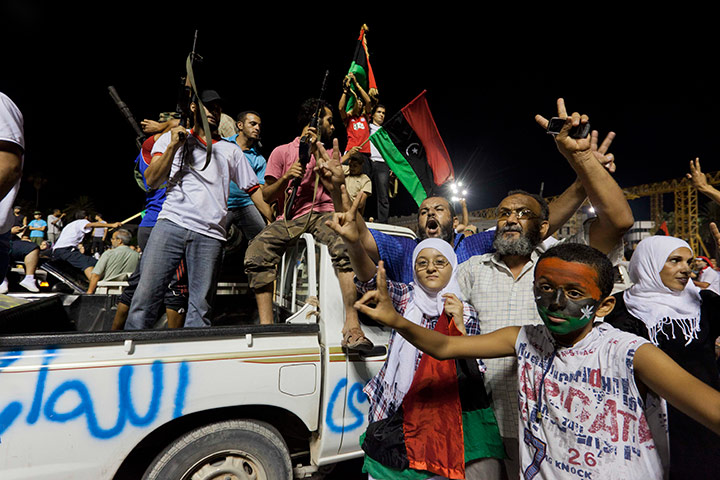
[(326, 137), (521, 246), (446, 231)]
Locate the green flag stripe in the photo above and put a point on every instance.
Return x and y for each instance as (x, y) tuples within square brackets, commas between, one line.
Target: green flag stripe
[(361, 76), (381, 472), (481, 435), (399, 165)]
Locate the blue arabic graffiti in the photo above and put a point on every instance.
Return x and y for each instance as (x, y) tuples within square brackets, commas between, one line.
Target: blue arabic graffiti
[(354, 395), (127, 411)]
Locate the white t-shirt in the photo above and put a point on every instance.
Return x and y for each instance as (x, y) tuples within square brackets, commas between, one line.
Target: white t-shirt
[(99, 232), (11, 130), (374, 152), (713, 278), (197, 200), (592, 421), (72, 234)]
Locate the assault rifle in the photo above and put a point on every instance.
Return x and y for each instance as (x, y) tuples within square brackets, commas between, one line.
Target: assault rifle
[(189, 94), (304, 150), (125, 110)]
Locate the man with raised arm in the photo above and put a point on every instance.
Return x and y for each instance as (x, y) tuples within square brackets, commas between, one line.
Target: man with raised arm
[(314, 204), (499, 285), (437, 219), (190, 223)]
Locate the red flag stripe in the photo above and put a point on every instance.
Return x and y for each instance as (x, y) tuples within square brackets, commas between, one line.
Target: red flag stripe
[(417, 113)]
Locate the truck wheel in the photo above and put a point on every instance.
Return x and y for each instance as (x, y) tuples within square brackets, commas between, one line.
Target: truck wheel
[(229, 450)]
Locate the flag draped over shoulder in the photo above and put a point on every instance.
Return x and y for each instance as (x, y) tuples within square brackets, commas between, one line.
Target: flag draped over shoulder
[(360, 67), (411, 145), (444, 421)]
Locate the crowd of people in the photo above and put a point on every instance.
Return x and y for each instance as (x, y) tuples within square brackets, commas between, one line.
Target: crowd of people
[(569, 381)]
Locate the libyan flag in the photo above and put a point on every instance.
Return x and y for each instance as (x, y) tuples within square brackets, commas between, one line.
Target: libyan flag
[(444, 421), (411, 145), (361, 68)]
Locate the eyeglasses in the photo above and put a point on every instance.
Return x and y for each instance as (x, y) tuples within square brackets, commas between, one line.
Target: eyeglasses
[(520, 213), (438, 263)]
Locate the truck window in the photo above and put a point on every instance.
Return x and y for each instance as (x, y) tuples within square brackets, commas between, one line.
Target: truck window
[(294, 289)]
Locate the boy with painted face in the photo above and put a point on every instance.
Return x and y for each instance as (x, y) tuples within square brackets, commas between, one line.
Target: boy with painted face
[(581, 384), (562, 310)]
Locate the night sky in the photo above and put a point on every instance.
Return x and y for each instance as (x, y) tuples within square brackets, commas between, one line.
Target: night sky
[(651, 77)]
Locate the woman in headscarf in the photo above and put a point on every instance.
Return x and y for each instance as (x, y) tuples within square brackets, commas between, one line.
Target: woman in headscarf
[(666, 307), (426, 404), (428, 418)]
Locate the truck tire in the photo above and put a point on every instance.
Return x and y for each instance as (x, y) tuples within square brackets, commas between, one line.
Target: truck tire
[(232, 449)]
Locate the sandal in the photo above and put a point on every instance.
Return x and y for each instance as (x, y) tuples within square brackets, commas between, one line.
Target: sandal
[(354, 339)]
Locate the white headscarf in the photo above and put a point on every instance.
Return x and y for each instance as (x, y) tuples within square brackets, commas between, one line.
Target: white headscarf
[(401, 359), (651, 301)]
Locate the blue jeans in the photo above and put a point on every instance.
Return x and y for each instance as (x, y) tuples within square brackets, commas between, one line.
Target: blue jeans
[(248, 219), (166, 246)]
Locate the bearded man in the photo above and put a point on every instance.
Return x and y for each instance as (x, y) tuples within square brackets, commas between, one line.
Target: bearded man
[(500, 285)]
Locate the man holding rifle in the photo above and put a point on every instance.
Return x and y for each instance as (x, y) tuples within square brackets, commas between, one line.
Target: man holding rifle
[(191, 220), (313, 205)]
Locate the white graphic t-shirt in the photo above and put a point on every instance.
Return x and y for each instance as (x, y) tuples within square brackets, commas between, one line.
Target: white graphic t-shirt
[(587, 419)]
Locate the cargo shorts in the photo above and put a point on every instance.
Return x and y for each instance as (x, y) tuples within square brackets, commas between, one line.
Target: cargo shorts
[(267, 248)]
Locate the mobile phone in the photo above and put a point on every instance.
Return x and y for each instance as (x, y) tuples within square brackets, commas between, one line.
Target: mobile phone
[(555, 125)]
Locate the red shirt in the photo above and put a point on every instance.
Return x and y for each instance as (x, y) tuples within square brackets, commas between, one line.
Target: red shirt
[(358, 131)]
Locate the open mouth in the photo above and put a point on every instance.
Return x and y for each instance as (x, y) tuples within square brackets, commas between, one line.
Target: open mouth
[(432, 226)]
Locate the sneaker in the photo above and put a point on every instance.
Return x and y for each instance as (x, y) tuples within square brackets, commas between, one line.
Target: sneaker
[(30, 285), (4, 286)]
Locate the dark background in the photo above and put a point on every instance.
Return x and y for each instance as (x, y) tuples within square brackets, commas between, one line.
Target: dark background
[(648, 75)]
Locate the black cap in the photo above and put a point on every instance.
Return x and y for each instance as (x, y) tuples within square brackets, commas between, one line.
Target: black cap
[(208, 96)]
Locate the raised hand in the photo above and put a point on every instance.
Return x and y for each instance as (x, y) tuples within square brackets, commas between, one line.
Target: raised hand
[(454, 310), (715, 233), (384, 310), (696, 175), (329, 168), (567, 145), (345, 223), (607, 160)]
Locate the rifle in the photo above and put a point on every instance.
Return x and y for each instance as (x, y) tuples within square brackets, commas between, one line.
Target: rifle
[(304, 150), (189, 94), (128, 116)]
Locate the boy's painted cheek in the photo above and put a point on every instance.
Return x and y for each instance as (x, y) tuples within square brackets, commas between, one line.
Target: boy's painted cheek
[(574, 314)]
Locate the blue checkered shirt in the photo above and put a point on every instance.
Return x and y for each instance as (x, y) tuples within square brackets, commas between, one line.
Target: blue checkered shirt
[(396, 252), (381, 405)]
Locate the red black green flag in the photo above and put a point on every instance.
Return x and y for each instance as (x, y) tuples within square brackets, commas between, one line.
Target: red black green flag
[(444, 421), (411, 145), (361, 68)]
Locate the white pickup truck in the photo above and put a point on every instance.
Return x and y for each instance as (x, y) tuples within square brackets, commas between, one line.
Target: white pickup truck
[(239, 402)]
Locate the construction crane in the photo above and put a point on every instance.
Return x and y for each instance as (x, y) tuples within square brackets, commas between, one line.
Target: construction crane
[(685, 200)]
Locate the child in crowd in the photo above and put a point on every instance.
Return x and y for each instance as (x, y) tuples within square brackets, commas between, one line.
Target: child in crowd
[(582, 385), (356, 181)]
